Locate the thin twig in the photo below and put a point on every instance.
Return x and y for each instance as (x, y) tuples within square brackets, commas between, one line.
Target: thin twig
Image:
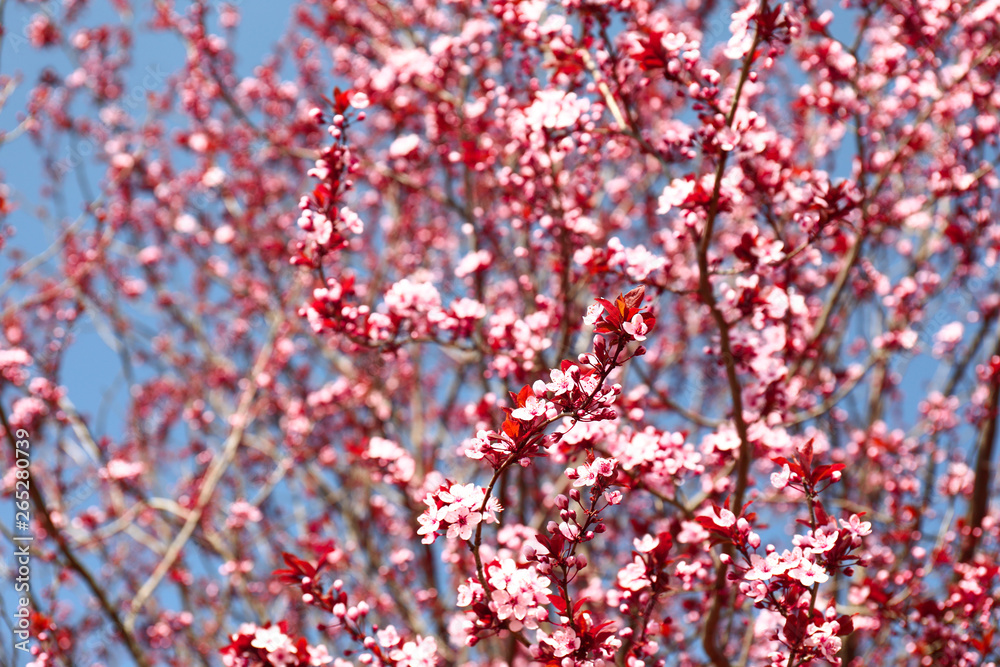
[(218, 467)]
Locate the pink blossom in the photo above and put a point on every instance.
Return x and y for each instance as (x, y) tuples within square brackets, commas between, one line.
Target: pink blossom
[(533, 407), (318, 656), (805, 570), (948, 337), (120, 469), (856, 526), (816, 541), (149, 255), (468, 592), (519, 594), (633, 576), (594, 311), (589, 474), (388, 636), (555, 109), (404, 145), (423, 652), (762, 569), (272, 640), (676, 194), (473, 262), (779, 480), (359, 100), (636, 328), (569, 530), (742, 35), (722, 517), (241, 512), (462, 522), (561, 382), (824, 639), (755, 590), (646, 544), (692, 532), (457, 510), (563, 642), (12, 362)]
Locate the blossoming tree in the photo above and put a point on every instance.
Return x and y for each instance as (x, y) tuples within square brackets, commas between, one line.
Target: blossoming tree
[(593, 332)]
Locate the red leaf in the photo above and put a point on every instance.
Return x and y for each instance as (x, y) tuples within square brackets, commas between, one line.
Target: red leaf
[(633, 298), (823, 472), (614, 316)]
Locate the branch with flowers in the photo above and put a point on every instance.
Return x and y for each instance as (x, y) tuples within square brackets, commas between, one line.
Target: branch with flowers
[(788, 583), (402, 420)]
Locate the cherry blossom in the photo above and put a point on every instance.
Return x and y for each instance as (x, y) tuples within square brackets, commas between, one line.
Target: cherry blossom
[(507, 333), (533, 407), (636, 328)]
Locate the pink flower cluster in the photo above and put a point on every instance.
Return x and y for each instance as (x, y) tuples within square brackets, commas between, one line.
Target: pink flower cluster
[(254, 646), (418, 652), (576, 390), (518, 598), (12, 363), (324, 218), (787, 583), (801, 251), (591, 473), (456, 510), (518, 594)]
